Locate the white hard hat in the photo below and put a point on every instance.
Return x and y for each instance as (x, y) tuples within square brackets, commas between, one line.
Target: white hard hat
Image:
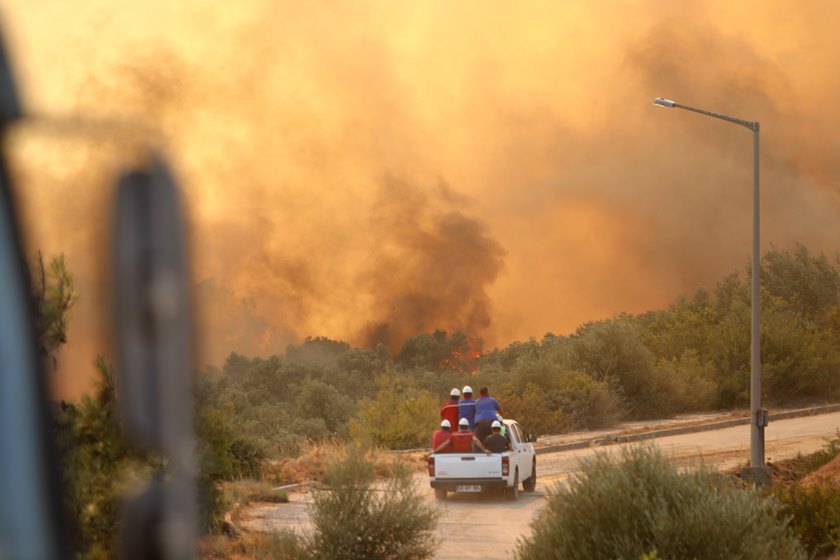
[(467, 389), (446, 424), (495, 424), (455, 393), (463, 422)]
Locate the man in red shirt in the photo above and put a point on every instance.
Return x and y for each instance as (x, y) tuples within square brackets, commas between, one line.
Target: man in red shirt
[(449, 409), (442, 439), (464, 440)]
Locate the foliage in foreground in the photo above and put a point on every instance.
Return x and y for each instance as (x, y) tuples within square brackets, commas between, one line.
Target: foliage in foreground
[(97, 465), (815, 512), (812, 498), (355, 519), (640, 505), (54, 294)]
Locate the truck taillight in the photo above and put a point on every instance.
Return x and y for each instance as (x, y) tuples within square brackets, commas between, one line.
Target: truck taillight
[(431, 466), (505, 465)]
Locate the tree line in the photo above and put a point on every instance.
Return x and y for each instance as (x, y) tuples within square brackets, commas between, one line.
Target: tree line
[(692, 356)]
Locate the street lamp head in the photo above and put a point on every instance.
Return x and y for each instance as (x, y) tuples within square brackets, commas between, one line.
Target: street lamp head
[(662, 102)]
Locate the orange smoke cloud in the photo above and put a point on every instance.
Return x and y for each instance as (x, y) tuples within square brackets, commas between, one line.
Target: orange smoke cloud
[(370, 170)]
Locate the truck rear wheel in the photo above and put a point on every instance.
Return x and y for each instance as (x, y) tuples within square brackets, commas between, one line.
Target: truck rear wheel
[(440, 493), (530, 483), (513, 492)]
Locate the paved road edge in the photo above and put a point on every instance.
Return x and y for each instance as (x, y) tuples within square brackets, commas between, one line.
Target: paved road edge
[(653, 434)]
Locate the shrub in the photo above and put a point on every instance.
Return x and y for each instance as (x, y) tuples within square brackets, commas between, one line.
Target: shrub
[(590, 403), (400, 417), (356, 520), (613, 352), (641, 506), (816, 515), (688, 382), (575, 402), (534, 411), (221, 456), (97, 465), (318, 400)]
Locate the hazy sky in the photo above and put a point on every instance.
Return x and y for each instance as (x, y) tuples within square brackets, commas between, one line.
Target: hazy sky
[(369, 170)]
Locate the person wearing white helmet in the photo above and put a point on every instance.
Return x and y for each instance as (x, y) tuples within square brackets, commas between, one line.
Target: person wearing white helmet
[(464, 440), (502, 423), (466, 408), (449, 409), (496, 442), (442, 438)]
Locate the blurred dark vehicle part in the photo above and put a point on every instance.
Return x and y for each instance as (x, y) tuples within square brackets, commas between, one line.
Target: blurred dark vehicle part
[(155, 348), (153, 320), (30, 505)]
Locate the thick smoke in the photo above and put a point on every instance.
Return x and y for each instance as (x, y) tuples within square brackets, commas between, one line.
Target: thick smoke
[(316, 143), (430, 266)]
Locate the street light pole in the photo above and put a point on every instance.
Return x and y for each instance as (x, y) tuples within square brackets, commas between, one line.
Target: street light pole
[(758, 416)]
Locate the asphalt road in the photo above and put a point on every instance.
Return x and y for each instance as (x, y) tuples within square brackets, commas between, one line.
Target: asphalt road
[(488, 527)]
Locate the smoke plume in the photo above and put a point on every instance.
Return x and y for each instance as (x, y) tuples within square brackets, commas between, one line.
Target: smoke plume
[(371, 170)]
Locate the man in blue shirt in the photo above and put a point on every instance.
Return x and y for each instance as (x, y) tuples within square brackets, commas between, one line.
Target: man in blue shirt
[(486, 408), (496, 442), (466, 408)]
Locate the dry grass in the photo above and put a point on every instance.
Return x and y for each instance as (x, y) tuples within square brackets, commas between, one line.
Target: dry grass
[(310, 464), (250, 546), (243, 492), (826, 474)]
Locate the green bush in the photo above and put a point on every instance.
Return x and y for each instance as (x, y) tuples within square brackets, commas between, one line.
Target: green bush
[(400, 417), (816, 515), (97, 464), (688, 383), (613, 352), (640, 505), (222, 456), (534, 411), (590, 404), (355, 519)]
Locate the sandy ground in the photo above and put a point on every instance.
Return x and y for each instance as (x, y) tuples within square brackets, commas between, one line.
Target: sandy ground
[(488, 527)]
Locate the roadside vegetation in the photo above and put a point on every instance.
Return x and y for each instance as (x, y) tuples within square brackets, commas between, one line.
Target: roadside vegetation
[(637, 504), (693, 356), (263, 419), (355, 516), (807, 488)]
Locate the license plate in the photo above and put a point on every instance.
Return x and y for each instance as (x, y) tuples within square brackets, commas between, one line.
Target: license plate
[(468, 488)]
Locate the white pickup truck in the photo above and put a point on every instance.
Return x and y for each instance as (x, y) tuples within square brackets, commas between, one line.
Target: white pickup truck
[(479, 472)]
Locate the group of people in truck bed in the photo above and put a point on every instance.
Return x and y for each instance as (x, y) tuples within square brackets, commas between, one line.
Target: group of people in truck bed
[(479, 424)]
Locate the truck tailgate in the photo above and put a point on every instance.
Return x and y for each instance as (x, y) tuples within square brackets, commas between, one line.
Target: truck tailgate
[(467, 466)]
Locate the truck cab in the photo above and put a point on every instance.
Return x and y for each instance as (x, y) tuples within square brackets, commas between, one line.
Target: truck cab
[(480, 472)]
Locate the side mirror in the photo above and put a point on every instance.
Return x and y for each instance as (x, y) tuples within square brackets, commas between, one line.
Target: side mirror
[(532, 438)]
